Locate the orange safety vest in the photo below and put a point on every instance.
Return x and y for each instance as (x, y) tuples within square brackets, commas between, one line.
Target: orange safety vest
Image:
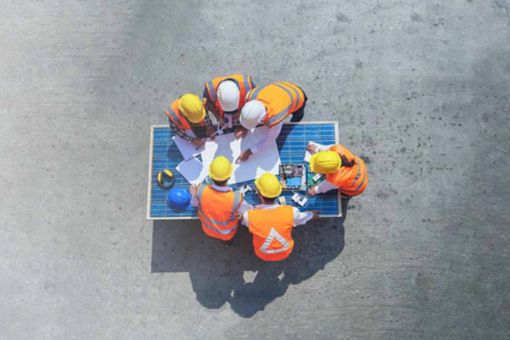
[(244, 83), (272, 232), (281, 99), (177, 118), (218, 211), (351, 181)]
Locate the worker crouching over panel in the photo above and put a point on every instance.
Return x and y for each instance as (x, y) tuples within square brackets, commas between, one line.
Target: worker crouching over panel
[(271, 224), (219, 207), (225, 97), (344, 170), (270, 105), (189, 120)]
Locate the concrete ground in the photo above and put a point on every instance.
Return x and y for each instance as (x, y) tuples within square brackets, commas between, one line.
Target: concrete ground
[(421, 89)]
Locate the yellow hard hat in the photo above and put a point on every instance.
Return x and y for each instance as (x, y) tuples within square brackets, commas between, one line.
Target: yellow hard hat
[(325, 162), (268, 185), (220, 169), (192, 107)]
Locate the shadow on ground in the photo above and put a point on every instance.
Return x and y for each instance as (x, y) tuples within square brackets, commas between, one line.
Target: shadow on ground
[(221, 273)]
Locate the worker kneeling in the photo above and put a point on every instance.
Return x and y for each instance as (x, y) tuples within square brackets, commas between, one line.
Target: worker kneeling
[(219, 207), (271, 224), (344, 170)]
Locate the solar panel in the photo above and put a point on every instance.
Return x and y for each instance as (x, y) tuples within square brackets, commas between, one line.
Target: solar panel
[(291, 145)]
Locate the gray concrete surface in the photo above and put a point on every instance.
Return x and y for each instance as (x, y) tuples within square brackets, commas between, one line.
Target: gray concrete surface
[(419, 88)]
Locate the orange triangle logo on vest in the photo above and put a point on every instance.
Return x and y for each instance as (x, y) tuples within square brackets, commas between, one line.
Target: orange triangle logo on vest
[(274, 235)]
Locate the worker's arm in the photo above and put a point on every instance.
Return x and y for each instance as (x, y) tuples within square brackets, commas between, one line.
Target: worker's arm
[(301, 218), (245, 206), (326, 147), (323, 187), (181, 133), (244, 219), (193, 189), (312, 148), (271, 136)]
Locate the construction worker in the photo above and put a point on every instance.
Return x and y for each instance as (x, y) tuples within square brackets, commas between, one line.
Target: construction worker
[(344, 170), (219, 207), (271, 224), (225, 96), (269, 105), (188, 119)]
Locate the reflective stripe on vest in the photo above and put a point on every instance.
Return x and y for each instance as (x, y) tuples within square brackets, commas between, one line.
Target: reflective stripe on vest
[(246, 83), (283, 113), (213, 228), (273, 234), (243, 83), (293, 94), (359, 185), (346, 184), (211, 222), (175, 116), (212, 91), (253, 93)]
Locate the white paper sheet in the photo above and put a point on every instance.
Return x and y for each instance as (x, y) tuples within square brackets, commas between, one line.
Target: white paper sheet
[(187, 149), (308, 154), (193, 170), (226, 145)]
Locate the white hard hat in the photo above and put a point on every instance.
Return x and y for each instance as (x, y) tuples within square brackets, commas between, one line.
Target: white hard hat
[(252, 114), (228, 95)]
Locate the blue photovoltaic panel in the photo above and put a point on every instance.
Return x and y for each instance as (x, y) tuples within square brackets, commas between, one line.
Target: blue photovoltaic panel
[(291, 145)]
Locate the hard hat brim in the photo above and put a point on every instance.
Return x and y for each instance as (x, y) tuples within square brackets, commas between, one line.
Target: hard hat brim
[(264, 193), (199, 119), (221, 178)]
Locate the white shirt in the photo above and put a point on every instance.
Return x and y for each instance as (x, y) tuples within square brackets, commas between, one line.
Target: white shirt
[(245, 206), (271, 136), (299, 217)]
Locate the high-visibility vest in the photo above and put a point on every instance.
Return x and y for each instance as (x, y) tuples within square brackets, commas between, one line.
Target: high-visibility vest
[(244, 83), (280, 100), (272, 232), (218, 211), (351, 181), (177, 118)]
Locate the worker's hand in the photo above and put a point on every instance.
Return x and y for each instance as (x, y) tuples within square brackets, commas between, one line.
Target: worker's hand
[(244, 156), (211, 132), (316, 215), (193, 189), (312, 148), (312, 191), (198, 142), (241, 133)]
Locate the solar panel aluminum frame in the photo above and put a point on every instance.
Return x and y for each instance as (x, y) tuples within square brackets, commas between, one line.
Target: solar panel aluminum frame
[(151, 151)]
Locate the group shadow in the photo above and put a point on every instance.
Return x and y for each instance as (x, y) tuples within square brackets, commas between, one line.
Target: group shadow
[(220, 273)]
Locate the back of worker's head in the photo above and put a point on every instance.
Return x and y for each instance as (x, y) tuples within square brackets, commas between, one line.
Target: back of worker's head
[(325, 162), (192, 107), (228, 95), (268, 186), (252, 114), (220, 170)]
